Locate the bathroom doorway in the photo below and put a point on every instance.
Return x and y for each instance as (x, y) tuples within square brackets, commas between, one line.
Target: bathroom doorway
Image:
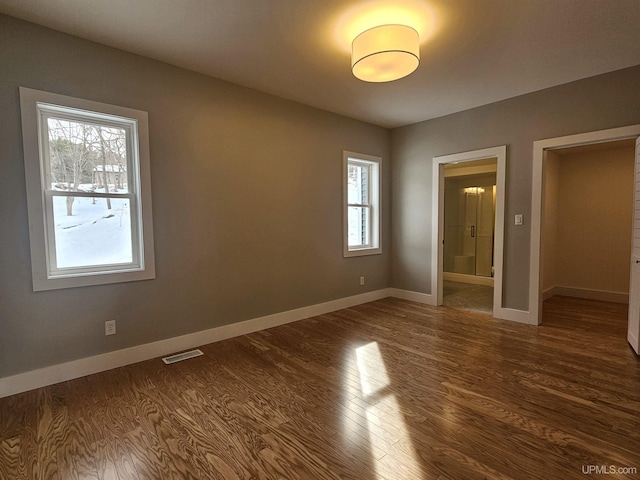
[(469, 239), (469, 234)]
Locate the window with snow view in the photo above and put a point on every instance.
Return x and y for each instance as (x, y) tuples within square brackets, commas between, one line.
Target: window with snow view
[(88, 191), (362, 204)]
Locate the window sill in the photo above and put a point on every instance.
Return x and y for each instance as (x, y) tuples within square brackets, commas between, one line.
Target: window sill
[(360, 252)]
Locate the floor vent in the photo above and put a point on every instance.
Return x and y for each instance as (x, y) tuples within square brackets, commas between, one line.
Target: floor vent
[(178, 357)]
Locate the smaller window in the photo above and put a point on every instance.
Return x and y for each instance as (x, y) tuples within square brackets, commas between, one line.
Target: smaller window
[(361, 204), (88, 191)]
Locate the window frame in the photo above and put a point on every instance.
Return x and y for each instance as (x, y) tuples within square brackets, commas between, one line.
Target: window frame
[(36, 107), (374, 164)]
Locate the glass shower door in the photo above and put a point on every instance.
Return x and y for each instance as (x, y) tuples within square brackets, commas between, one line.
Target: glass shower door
[(469, 220), (484, 231)]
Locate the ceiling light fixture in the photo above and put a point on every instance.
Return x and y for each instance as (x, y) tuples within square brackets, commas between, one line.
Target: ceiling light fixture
[(385, 53)]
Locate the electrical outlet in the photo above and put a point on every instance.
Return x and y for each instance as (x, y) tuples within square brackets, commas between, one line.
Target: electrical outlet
[(110, 327), (362, 280)]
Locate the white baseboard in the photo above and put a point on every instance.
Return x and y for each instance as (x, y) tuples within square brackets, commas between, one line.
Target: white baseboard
[(42, 377), (633, 341), (601, 295), (473, 279), (425, 298), (520, 316)]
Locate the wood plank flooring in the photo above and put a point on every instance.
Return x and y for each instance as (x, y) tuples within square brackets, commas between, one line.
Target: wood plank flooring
[(388, 390)]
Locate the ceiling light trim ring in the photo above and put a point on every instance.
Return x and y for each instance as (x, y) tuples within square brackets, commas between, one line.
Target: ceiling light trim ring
[(386, 51)]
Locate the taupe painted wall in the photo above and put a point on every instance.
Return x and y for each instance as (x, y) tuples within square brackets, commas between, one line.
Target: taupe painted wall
[(247, 203), (594, 220), (596, 103)]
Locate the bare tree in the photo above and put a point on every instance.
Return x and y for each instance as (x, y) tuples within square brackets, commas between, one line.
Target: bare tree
[(83, 153), (71, 159), (105, 171)]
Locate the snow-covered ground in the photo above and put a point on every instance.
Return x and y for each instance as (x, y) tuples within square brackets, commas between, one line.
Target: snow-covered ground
[(93, 235)]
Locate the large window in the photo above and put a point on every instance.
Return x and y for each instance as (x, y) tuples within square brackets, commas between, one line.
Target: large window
[(362, 204), (88, 191)]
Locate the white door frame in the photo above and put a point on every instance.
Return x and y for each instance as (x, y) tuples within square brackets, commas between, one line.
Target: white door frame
[(539, 149), (500, 153)]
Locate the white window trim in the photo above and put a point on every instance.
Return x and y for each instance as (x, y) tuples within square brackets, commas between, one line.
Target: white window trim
[(376, 215), (29, 100)]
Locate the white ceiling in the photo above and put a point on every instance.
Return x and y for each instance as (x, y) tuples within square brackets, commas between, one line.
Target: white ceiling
[(473, 52)]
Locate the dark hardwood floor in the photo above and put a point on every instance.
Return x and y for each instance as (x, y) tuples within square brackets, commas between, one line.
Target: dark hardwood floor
[(388, 390)]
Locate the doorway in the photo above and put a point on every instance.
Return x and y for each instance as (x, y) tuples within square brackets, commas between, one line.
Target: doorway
[(469, 228), (467, 249), (587, 217), (540, 151)]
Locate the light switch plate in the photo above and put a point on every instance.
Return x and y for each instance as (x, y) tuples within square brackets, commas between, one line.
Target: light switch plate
[(519, 219)]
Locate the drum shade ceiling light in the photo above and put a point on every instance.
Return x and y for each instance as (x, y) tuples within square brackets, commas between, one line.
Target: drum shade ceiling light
[(385, 53)]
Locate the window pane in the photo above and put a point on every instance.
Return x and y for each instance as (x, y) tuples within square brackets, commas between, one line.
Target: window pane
[(84, 157), (358, 224), (88, 232), (358, 184)]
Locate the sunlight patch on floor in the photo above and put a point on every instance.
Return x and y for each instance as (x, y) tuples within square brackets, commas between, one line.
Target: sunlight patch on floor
[(371, 368), (385, 423)]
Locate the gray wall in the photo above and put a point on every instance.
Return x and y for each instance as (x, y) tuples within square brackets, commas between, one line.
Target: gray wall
[(247, 203), (597, 103)]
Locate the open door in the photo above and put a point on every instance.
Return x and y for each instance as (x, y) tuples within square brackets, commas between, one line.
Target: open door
[(633, 333)]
